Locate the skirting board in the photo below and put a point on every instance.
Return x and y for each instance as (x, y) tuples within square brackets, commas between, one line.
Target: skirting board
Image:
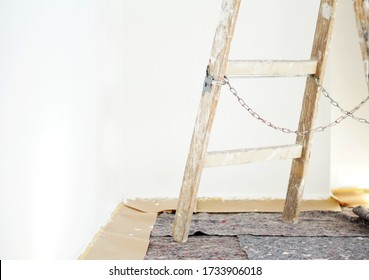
[(127, 235), (218, 205)]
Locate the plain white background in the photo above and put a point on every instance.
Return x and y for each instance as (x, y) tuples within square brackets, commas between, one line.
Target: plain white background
[(98, 101)]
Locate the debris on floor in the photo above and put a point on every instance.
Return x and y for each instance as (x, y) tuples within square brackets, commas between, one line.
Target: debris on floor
[(362, 212)]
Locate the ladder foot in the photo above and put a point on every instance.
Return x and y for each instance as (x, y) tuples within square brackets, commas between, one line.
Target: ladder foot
[(290, 219)]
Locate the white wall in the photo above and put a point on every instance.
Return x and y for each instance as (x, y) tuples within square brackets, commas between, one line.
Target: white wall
[(98, 101), (61, 132), (349, 145), (167, 50)]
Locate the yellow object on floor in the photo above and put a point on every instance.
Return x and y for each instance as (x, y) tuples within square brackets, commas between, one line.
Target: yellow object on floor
[(351, 197)]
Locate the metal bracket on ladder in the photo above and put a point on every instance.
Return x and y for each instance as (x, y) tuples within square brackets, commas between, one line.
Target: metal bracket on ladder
[(218, 67)]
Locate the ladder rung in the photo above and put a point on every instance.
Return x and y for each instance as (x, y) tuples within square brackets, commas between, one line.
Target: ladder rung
[(270, 68), (242, 156)]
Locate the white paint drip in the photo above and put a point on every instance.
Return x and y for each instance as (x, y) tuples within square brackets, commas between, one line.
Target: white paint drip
[(326, 11)]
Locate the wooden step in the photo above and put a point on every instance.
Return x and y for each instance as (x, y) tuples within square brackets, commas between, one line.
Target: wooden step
[(242, 156), (270, 68)]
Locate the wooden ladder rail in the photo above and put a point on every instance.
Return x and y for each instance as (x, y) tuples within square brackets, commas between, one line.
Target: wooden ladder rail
[(204, 120), (323, 34), (362, 23)]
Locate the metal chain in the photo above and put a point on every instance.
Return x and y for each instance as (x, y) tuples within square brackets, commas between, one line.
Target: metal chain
[(336, 104), (347, 114)]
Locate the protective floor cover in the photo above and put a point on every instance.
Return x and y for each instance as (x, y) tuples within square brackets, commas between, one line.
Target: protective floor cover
[(316, 223), (257, 236), (305, 248)]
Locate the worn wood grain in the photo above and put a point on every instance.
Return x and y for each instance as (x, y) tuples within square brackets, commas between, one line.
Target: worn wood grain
[(243, 156), (270, 68), (205, 116), (309, 109)]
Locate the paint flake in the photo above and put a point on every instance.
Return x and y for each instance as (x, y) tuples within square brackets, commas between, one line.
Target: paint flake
[(327, 11)]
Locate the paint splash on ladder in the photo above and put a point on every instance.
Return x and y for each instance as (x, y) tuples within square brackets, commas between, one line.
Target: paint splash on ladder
[(327, 11)]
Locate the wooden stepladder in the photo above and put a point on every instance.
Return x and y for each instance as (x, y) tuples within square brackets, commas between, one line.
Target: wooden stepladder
[(219, 66)]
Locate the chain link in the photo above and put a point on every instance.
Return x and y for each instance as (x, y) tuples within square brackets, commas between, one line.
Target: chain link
[(347, 114), (336, 104)]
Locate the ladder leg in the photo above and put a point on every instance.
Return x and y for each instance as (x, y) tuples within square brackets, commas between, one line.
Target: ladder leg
[(200, 138), (362, 23), (309, 111)]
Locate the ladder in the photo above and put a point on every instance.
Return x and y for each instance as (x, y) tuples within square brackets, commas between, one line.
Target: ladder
[(219, 66)]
